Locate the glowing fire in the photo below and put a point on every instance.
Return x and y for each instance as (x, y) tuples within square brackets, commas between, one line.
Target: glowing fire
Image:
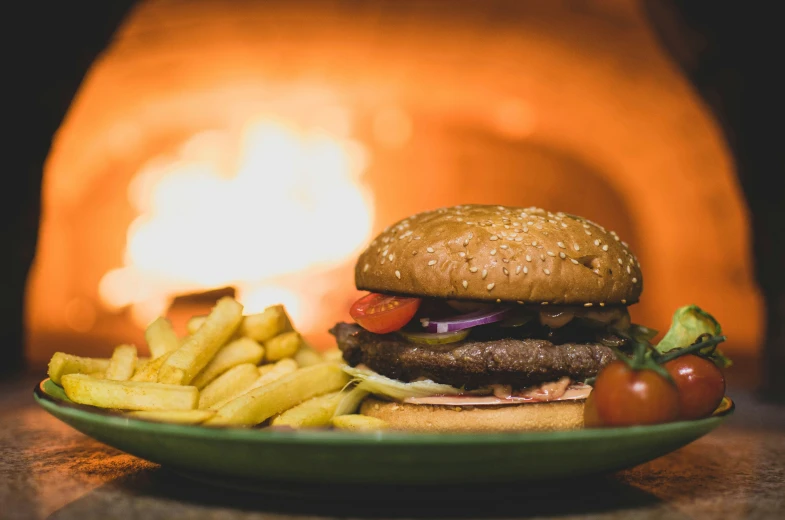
[(284, 202)]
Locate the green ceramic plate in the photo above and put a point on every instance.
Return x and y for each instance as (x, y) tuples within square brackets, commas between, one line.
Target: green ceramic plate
[(248, 456)]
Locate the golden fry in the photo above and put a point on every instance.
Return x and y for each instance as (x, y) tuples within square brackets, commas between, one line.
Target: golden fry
[(267, 376), (359, 423), (282, 346), (333, 354), (259, 404), (188, 360), (229, 384), (160, 337), (267, 324), (129, 395), (123, 363), (173, 416), (194, 323), (243, 350), (313, 413), (307, 356), (62, 364), (149, 373)]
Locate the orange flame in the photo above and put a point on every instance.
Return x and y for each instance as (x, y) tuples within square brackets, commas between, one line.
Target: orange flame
[(290, 202)]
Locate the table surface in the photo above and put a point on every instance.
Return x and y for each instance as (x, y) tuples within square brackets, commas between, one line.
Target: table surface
[(48, 470)]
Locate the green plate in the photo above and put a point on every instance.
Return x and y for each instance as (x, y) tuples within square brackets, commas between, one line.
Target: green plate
[(254, 458)]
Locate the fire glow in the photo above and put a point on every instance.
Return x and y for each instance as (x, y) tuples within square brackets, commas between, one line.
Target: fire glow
[(265, 216)]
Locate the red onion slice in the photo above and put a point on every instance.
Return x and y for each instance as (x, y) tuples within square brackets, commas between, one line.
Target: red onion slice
[(466, 321)]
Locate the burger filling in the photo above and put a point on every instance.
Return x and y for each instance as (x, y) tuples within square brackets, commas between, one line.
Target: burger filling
[(486, 354)]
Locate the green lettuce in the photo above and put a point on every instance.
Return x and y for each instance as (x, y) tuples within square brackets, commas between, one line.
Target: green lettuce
[(689, 323)]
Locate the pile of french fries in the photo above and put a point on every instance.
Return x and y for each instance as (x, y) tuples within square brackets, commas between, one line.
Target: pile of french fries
[(229, 370)]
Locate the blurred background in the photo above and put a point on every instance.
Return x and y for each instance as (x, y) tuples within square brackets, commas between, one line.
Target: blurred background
[(172, 151)]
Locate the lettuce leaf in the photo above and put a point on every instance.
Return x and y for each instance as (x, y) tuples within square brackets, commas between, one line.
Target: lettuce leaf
[(375, 383), (689, 323)]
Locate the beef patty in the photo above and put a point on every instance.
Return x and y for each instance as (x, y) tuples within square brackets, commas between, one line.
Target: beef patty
[(471, 364)]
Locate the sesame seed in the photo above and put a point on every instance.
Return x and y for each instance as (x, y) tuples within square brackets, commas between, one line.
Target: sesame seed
[(546, 271), (465, 284), (490, 286), (542, 257), (616, 237), (624, 302), (461, 254), (432, 262), (518, 270), (629, 271), (596, 242), (544, 303), (471, 235), (574, 261), (382, 262), (384, 253), (525, 229), (576, 247), (493, 252), (466, 242), (397, 274), (538, 225), (528, 258), (562, 255), (520, 302), (551, 253), (414, 253), (519, 239), (602, 304), (634, 280), (484, 273), (621, 262), (530, 223), (625, 244), (563, 225), (561, 245), (430, 249), (391, 257), (504, 246), (494, 237), (525, 270), (605, 247), (534, 243), (506, 272), (472, 269), (587, 304)]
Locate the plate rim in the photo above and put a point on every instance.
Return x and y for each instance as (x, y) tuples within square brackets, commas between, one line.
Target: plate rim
[(51, 403)]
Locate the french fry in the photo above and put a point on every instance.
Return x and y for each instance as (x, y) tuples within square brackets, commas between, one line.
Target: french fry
[(319, 411), (149, 373), (358, 423), (282, 346), (173, 416), (160, 337), (313, 413), (239, 351), (189, 359), (123, 363), (307, 356), (333, 354), (129, 395), (267, 324), (232, 382), (259, 404), (63, 364), (194, 323), (276, 371)]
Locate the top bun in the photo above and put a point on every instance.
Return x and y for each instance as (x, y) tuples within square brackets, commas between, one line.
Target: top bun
[(501, 254)]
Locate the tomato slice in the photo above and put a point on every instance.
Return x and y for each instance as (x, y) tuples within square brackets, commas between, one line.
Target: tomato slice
[(380, 313)]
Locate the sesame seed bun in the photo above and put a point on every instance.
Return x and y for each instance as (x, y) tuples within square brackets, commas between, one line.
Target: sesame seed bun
[(552, 416), (501, 253)]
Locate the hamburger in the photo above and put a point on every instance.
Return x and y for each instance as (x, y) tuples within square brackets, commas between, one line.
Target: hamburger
[(488, 318)]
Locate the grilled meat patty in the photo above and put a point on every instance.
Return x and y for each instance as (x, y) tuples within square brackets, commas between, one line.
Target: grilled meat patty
[(471, 364)]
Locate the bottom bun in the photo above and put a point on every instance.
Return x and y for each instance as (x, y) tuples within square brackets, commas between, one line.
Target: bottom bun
[(555, 415)]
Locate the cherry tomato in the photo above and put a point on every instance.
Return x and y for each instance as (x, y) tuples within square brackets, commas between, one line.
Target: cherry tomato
[(701, 385), (623, 396), (381, 313)]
